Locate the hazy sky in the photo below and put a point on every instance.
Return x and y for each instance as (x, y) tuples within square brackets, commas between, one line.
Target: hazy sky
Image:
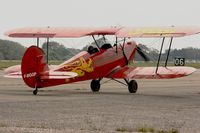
[(21, 13)]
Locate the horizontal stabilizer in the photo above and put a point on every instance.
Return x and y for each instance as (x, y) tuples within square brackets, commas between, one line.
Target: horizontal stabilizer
[(13, 75), (51, 75), (13, 72), (59, 75)]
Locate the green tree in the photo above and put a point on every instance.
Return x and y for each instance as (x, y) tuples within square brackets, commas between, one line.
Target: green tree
[(10, 50), (58, 51)]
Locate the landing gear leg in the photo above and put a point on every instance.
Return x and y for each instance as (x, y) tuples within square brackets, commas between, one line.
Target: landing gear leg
[(95, 85), (132, 86), (35, 91)]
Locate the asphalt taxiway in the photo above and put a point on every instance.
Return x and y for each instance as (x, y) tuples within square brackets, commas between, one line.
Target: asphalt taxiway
[(160, 104)]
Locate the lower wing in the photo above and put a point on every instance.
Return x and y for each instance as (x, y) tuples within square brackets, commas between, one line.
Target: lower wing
[(150, 72)]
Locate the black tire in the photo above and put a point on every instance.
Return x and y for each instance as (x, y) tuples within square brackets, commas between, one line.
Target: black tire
[(35, 91), (95, 85), (132, 86)]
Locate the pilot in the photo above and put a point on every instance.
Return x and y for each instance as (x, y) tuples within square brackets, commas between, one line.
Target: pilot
[(106, 46), (91, 49)]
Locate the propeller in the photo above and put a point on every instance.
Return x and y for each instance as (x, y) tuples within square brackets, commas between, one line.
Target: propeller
[(142, 54)]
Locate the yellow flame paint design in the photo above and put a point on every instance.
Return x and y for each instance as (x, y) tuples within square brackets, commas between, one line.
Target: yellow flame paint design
[(80, 66)]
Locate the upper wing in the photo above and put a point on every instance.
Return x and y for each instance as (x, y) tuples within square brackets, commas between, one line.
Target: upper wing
[(59, 32), (149, 72), (33, 32), (157, 31)]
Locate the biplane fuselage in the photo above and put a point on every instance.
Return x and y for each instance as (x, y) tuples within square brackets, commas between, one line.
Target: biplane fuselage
[(93, 66)]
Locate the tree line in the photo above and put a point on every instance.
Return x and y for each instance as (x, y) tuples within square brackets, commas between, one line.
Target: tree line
[(10, 50), (189, 53)]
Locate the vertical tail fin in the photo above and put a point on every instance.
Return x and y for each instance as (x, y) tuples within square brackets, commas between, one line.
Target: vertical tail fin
[(32, 66)]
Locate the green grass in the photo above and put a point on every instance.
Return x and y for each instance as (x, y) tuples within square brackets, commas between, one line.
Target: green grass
[(7, 63), (151, 130), (143, 129), (123, 129), (146, 129), (149, 64), (55, 62), (168, 131), (78, 89), (3, 125)]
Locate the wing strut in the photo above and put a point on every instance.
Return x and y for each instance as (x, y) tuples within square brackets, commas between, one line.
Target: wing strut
[(125, 57), (95, 41), (47, 58), (168, 51), (116, 41), (160, 55), (47, 51), (166, 61), (38, 41), (121, 81)]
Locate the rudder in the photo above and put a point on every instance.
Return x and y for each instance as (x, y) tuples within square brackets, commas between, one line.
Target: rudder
[(32, 66)]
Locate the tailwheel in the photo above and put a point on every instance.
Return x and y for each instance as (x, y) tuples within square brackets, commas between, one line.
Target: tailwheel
[(95, 85), (132, 86), (35, 91)]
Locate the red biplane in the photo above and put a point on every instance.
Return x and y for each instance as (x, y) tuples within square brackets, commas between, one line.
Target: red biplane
[(98, 62)]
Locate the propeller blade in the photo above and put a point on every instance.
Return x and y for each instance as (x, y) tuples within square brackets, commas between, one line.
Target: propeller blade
[(142, 54)]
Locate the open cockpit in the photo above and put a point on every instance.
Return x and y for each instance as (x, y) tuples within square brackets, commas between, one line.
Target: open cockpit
[(97, 45)]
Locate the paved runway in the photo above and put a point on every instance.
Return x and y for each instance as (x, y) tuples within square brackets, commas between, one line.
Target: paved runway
[(160, 104)]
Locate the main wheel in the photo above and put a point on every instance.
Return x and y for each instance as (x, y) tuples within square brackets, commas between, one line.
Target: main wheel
[(35, 91), (95, 85), (132, 86)]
